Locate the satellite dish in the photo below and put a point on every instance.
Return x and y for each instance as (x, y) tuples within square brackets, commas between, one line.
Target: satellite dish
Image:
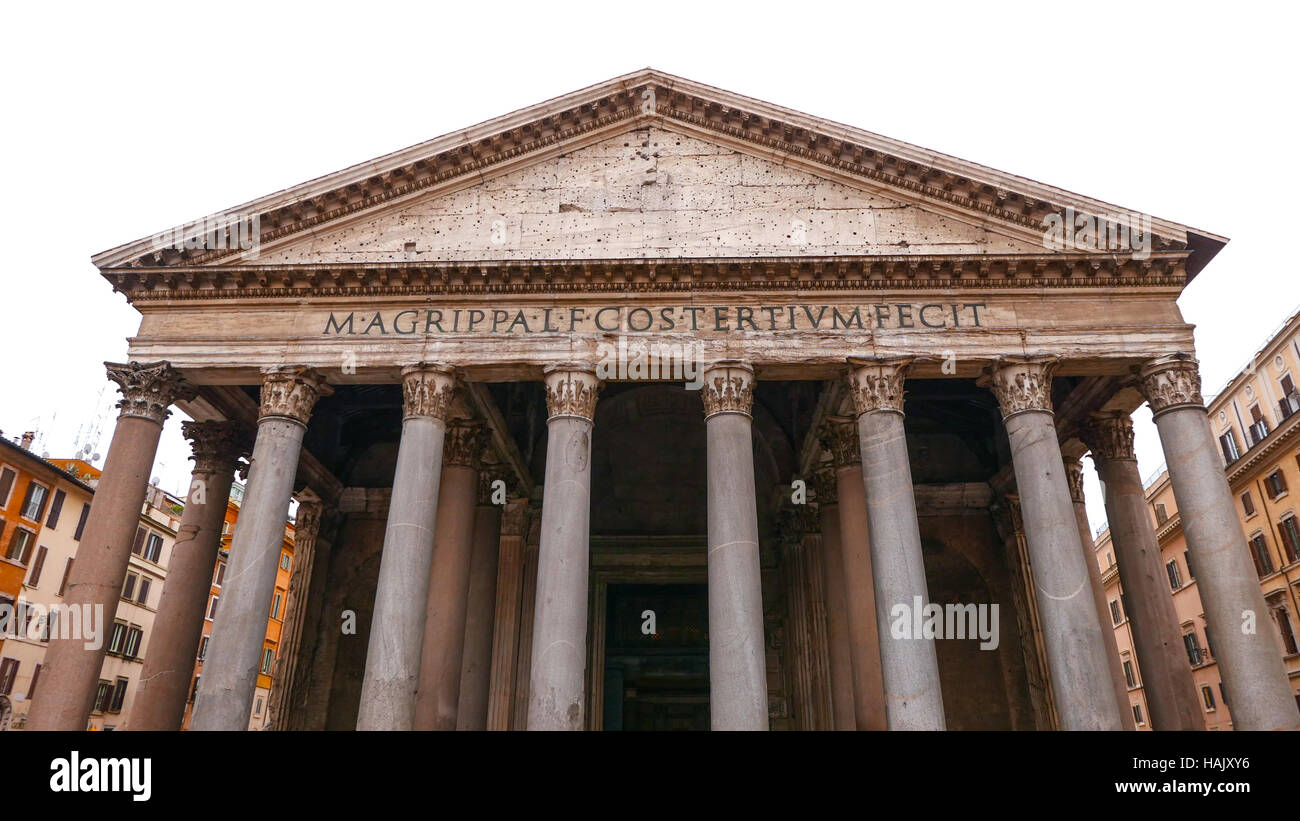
[(95, 458)]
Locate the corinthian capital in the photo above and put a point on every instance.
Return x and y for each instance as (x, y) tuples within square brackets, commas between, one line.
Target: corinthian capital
[(728, 388), (216, 446), (826, 484), (1074, 477), (877, 384), (149, 388), (464, 442), (428, 390), (571, 390), (1022, 383), (306, 526), (1109, 435), (291, 391), (1170, 382), (839, 435)]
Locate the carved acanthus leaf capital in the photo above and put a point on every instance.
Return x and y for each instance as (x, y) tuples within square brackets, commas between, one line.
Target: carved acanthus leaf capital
[(1109, 435), (428, 390), (463, 444), (1021, 383), (1171, 382), (306, 527), (1074, 478), (215, 447), (728, 388), (149, 388), (826, 483), (571, 390), (877, 384), (291, 391), (839, 436)]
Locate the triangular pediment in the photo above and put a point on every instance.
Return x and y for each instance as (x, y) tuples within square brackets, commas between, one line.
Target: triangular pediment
[(649, 193), (644, 166)]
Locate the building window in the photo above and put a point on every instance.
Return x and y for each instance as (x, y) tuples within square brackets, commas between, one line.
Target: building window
[(8, 673), (1259, 552), (128, 588), (1175, 578), (1228, 442), (1162, 515), (275, 606), (31, 688), (257, 709), (1290, 539), (1129, 677), (143, 597), (81, 522), (268, 656), (34, 578), (1207, 697), (1187, 559), (1193, 647), (133, 636), (1209, 641), (1137, 715), (34, 503), (1283, 621), (220, 574), (1115, 616), (118, 638), (102, 695), (7, 477), (153, 548), (56, 508), (285, 560), (203, 648), (194, 688), (1223, 693), (1275, 483), (119, 696), (1290, 402), (20, 545), (1258, 427), (212, 608), (1248, 504), (1110, 559)]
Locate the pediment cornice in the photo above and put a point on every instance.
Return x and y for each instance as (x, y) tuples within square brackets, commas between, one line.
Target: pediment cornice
[(1016, 205)]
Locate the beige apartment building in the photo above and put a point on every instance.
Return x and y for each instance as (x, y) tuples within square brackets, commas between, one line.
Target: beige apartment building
[(1255, 421), (54, 535)]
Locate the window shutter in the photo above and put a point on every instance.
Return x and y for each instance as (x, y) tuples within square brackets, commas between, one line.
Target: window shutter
[(1248, 504), (56, 507), (1288, 387), (143, 598), (139, 541), (67, 571), (7, 477), (81, 523), (38, 566), (36, 676)]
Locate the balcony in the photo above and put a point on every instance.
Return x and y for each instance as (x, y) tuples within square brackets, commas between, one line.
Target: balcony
[(1198, 656), (1258, 432), (1288, 405)]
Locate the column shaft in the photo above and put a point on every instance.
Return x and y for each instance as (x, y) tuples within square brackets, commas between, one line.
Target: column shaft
[(230, 670), (70, 669), (909, 663), (559, 648), (476, 666), (509, 614), (1249, 660), (1076, 649), (837, 624), (737, 653), (178, 625)]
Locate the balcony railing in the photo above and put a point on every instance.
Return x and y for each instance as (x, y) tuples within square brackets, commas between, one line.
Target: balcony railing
[(1258, 432), (1198, 656), (1288, 405)]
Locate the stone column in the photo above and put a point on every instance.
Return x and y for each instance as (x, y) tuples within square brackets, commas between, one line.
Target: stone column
[(1076, 649), (737, 660), (1167, 680), (842, 441), (178, 625), (909, 664), (306, 530), (559, 644), (837, 608), (235, 647), (476, 664), (509, 614), (388, 691), (70, 670), (1074, 477), (1249, 662), (448, 586)]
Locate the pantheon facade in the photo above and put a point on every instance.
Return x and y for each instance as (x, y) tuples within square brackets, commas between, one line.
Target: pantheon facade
[(654, 406)]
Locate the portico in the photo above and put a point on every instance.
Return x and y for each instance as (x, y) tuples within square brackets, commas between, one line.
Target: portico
[(885, 366)]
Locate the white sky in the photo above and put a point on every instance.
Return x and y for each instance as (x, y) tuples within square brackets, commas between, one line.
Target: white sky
[(121, 121)]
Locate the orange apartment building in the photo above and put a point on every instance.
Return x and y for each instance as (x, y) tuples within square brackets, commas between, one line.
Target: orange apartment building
[(1257, 422), (275, 619)]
